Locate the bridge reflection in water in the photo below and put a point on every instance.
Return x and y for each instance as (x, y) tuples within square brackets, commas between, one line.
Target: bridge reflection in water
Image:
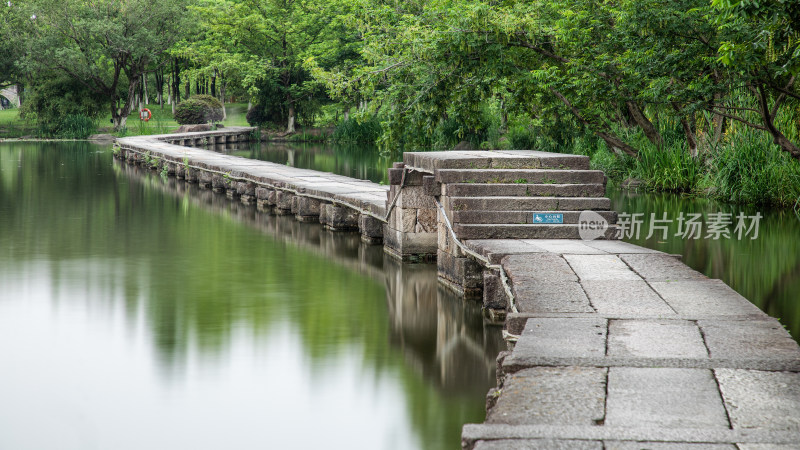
[(442, 336)]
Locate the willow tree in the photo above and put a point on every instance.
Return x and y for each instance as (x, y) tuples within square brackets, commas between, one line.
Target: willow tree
[(106, 45)]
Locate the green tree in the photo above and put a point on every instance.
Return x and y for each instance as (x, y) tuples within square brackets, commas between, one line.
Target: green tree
[(761, 41), (107, 45), (264, 42)]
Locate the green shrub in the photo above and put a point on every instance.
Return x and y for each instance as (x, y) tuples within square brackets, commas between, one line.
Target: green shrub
[(210, 100), (198, 109), (751, 169), (256, 116), (522, 137), (354, 130), (669, 168), (71, 126), (76, 126)]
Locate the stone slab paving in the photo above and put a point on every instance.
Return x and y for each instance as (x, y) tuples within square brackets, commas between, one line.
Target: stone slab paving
[(680, 360), (363, 194)]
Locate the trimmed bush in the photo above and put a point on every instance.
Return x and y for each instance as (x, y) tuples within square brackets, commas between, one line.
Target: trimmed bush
[(198, 109), (256, 116)]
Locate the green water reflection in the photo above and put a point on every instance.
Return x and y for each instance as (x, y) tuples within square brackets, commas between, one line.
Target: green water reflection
[(140, 312)]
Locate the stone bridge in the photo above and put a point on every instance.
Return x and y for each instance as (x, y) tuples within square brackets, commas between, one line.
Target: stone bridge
[(613, 345), (11, 94)]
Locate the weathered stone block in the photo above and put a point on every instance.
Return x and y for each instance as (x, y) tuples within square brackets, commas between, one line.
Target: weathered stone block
[(664, 397), (497, 249), (542, 444), (218, 182), (542, 267), (756, 399), (370, 227), (661, 267), (395, 176), (262, 193), (272, 197), (339, 217), (625, 298), (464, 273), (739, 339), (445, 241), (550, 297), (415, 197), (601, 267), (568, 396), (306, 207), (283, 200), (703, 297), (409, 245), (655, 339), (191, 175), (432, 187), (426, 221), (205, 179), (403, 219), (247, 188), (562, 337), (494, 295)]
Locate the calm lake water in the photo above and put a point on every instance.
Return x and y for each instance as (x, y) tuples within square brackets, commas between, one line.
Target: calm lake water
[(138, 312)]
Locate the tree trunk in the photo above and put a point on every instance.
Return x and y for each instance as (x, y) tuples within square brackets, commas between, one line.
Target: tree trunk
[(145, 97), (691, 138), (176, 84), (767, 116), (718, 121), (159, 75), (644, 123), (222, 89), (214, 84), (290, 125), (503, 117), (119, 116)]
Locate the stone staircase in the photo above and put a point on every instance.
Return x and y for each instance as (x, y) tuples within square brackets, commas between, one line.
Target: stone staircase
[(489, 195), (524, 202)]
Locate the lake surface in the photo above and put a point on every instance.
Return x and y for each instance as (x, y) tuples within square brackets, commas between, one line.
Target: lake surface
[(138, 312), (765, 270)]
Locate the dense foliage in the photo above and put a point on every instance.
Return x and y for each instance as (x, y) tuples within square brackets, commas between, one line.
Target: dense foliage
[(666, 91)]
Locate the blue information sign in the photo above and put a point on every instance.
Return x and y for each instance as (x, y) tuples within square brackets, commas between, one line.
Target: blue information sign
[(548, 218)]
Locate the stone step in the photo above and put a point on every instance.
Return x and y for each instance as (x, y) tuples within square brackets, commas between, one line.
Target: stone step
[(521, 217), (498, 159), (522, 189), (533, 176), (527, 231), (527, 203)]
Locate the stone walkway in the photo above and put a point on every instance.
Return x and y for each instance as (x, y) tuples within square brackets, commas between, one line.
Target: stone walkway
[(625, 347), (335, 200)]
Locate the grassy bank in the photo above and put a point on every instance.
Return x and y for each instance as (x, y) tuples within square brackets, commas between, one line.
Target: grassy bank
[(13, 126), (746, 168)]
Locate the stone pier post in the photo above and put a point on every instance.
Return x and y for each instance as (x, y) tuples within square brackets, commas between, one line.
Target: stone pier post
[(411, 229)]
